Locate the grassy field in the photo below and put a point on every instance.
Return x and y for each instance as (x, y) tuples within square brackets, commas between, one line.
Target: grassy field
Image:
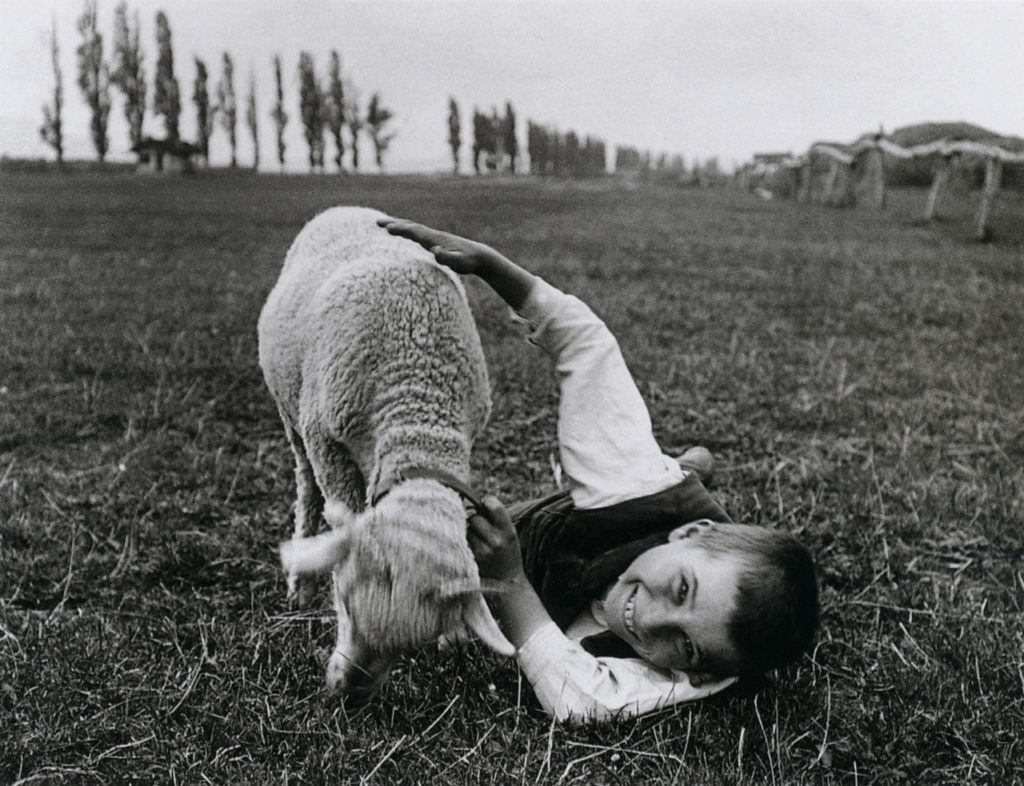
[(860, 376)]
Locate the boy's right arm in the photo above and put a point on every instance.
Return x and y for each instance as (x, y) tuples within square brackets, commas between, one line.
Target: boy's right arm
[(606, 445), (511, 282)]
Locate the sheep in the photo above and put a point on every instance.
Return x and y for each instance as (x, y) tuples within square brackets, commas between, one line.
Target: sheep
[(371, 353)]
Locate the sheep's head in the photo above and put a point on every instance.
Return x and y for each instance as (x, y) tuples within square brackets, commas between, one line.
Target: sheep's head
[(403, 575)]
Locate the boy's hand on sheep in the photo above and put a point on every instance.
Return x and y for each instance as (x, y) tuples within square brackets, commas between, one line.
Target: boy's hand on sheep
[(458, 253), (495, 543), (512, 283)]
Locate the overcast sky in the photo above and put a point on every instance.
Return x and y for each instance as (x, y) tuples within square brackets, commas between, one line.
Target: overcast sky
[(701, 79)]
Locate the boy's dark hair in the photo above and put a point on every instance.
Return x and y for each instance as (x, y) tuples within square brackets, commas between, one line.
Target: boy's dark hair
[(776, 614)]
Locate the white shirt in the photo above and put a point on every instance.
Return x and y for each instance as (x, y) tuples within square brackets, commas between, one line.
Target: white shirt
[(605, 442), (608, 455)]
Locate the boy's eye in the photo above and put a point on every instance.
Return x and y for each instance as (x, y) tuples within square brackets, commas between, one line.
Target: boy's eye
[(683, 590), (687, 648)]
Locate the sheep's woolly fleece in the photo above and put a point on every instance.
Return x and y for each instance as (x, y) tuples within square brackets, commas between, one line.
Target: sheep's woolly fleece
[(371, 341), (371, 352)]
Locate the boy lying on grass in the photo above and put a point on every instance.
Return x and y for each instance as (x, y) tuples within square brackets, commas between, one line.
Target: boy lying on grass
[(633, 590)]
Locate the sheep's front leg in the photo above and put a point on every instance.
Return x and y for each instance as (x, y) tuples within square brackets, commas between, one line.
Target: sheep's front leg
[(355, 669), (338, 476), (309, 507)]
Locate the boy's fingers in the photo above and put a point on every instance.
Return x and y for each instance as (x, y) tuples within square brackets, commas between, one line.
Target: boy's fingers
[(396, 226), (484, 532), (442, 254), (392, 225), (411, 231), (476, 544), (497, 513)]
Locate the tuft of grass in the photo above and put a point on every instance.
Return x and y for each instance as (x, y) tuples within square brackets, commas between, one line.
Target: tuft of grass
[(859, 376)]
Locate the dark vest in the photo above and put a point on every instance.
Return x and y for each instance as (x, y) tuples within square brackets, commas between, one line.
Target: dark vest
[(571, 556)]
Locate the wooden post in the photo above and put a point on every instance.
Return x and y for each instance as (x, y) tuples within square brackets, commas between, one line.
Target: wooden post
[(841, 180), (847, 196), (873, 179), (792, 181), (830, 181), (993, 175), (938, 185), (743, 178), (804, 178)]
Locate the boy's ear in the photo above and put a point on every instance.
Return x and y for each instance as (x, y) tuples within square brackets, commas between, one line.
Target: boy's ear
[(689, 530)]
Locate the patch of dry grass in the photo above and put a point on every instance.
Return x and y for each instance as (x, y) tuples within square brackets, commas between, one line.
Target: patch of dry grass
[(859, 376)]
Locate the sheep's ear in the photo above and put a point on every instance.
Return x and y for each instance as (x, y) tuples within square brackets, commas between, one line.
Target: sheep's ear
[(317, 554), (478, 618)]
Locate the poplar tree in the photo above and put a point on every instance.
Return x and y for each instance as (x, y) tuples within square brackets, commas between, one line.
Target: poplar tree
[(509, 133), (205, 113), (166, 95), (334, 108), (94, 78), (227, 106), (250, 120), (353, 119), (377, 118), (486, 136), (496, 157), (556, 151), (536, 138), (129, 75), (479, 135), (571, 154), (454, 133), (52, 130), (312, 109), (277, 113)]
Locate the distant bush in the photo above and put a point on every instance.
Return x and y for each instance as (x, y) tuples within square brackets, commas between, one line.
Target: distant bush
[(10, 164)]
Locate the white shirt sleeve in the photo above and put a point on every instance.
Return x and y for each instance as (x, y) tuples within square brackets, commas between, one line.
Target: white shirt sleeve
[(606, 444), (575, 687)]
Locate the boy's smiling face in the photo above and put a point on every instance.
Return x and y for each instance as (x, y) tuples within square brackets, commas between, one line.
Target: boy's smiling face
[(673, 604)]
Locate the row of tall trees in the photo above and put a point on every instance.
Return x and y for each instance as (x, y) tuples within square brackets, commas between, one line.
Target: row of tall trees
[(559, 154), (668, 167), (494, 140), (330, 105), (330, 109), (552, 152), (495, 145)]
